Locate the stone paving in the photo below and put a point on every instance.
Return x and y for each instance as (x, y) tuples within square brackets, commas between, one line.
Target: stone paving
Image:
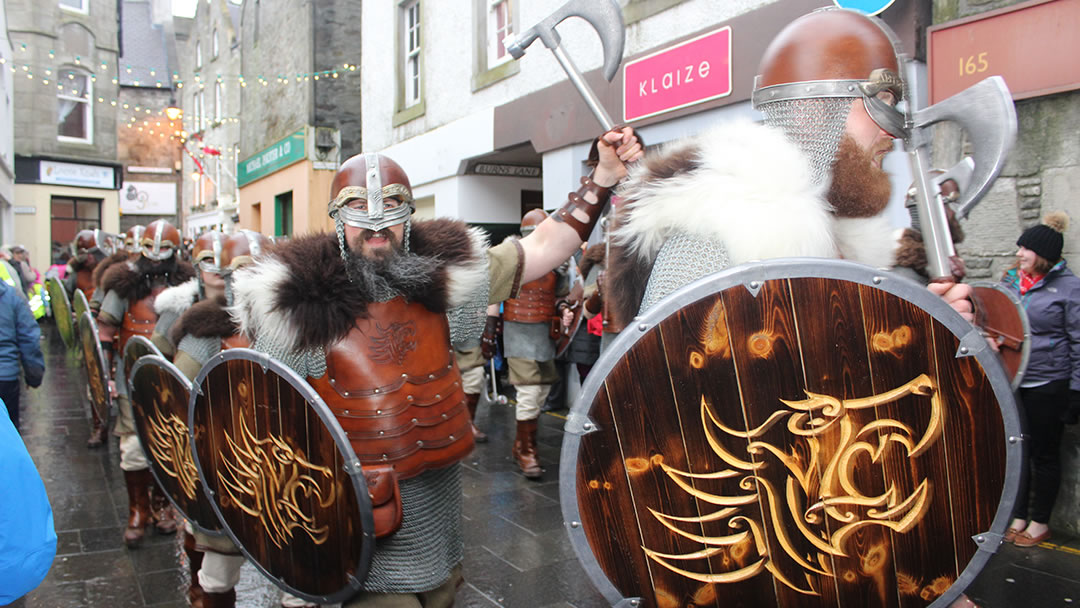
[(517, 554)]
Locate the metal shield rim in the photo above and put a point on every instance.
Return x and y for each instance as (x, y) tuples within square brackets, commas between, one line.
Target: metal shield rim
[(340, 439), (80, 297), (56, 291), (89, 316), (751, 276), (169, 367), (154, 351), (1025, 350)]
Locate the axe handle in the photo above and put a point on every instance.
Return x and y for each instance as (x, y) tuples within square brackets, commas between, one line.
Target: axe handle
[(933, 222), (583, 88)]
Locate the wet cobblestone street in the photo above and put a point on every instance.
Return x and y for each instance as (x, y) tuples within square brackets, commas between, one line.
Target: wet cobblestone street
[(517, 553)]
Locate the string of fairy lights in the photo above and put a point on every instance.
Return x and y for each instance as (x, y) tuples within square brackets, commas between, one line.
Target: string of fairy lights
[(153, 121)]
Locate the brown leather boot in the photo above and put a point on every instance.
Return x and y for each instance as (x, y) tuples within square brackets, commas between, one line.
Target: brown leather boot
[(194, 557), (138, 489), (225, 599), (525, 449), (164, 516), (471, 401), (97, 434)]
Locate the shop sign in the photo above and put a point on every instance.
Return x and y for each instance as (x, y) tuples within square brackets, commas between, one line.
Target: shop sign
[(72, 174), (24, 210), (276, 157), (1033, 46), (148, 198), (688, 73)]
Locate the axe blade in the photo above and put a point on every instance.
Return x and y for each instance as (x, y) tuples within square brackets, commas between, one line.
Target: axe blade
[(986, 112)]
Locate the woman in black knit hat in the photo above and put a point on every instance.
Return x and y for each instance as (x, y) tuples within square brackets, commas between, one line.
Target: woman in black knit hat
[(1051, 385)]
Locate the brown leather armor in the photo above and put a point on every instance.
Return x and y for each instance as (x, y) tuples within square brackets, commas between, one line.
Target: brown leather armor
[(394, 385), (139, 319), (84, 280), (535, 302)]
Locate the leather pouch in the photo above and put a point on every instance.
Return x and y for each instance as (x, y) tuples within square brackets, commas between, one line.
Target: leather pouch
[(555, 331), (382, 485)]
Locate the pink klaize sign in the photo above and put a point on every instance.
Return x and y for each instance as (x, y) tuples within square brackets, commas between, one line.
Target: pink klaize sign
[(692, 72)]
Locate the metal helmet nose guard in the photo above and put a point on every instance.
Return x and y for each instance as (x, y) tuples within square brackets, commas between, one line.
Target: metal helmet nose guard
[(383, 179)]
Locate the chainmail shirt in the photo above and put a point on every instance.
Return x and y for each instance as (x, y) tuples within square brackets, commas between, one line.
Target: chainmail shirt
[(682, 260)]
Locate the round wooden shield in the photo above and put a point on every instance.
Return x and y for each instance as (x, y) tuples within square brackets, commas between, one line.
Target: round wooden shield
[(796, 433), (61, 310), (1001, 314), (281, 475), (97, 371), (79, 304), (159, 395), (136, 348)]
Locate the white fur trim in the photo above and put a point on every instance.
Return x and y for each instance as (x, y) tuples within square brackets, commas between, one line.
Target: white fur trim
[(753, 192), (465, 278), (253, 290), (870, 240), (178, 298)]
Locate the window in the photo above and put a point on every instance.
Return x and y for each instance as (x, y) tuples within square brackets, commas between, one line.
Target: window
[(219, 100), (283, 217), (412, 52), (198, 55), (500, 25), (76, 117), (76, 6), (214, 44), (70, 215), (200, 112)]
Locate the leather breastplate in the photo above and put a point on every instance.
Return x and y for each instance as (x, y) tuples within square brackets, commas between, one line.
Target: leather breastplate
[(140, 318), (535, 303), (84, 280), (394, 385)]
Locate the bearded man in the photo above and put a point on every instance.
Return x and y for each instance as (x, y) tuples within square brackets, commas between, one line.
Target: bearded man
[(127, 310), (88, 250), (369, 315), (807, 183)]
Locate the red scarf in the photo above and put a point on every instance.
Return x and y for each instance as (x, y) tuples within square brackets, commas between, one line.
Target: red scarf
[(1027, 281)]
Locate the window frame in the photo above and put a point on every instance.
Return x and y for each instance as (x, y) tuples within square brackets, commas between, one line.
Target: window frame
[(219, 100), (198, 54), (407, 59), (486, 73), (495, 36), (84, 10), (88, 107), (214, 45)]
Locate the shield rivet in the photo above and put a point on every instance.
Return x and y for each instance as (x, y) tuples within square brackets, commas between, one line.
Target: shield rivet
[(980, 539), (964, 350), (575, 524), (877, 280), (642, 327), (1014, 439), (588, 426)]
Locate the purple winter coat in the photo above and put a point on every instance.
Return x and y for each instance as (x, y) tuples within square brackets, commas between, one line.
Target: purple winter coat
[(1053, 309)]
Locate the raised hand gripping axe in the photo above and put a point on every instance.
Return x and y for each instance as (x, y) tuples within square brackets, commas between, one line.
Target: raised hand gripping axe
[(606, 18)]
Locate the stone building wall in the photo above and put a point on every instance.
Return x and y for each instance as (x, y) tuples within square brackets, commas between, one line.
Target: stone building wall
[(1042, 175)]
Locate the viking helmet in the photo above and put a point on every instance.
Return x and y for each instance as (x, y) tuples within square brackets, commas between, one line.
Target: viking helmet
[(133, 238), (241, 249), (206, 253), (531, 220), (90, 241), (371, 179), (160, 240), (816, 67)]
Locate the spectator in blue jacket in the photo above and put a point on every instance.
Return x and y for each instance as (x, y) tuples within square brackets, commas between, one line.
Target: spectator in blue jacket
[(20, 342), (27, 535), (1050, 390)]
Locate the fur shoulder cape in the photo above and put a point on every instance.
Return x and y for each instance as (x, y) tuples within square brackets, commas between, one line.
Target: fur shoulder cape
[(300, 295), (130, 283), (741, 184), (204, 319), (177, 299), (107, 263)]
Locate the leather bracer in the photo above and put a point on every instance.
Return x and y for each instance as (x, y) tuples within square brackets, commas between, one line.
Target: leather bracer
[(576, 201)]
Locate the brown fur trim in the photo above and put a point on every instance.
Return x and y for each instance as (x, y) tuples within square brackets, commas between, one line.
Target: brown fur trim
[(625, 280), (911, 253), (323, 304), (205, 319), (593, 255), (107, 263), (130, 280), (77, 266), (672, 163)]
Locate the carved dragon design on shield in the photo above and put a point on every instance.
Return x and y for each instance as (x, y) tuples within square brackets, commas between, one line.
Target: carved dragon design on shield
[(170, 445), (820, 493), (271, 481)]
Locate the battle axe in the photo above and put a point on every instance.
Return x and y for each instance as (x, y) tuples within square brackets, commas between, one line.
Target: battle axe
[(606, 18)]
